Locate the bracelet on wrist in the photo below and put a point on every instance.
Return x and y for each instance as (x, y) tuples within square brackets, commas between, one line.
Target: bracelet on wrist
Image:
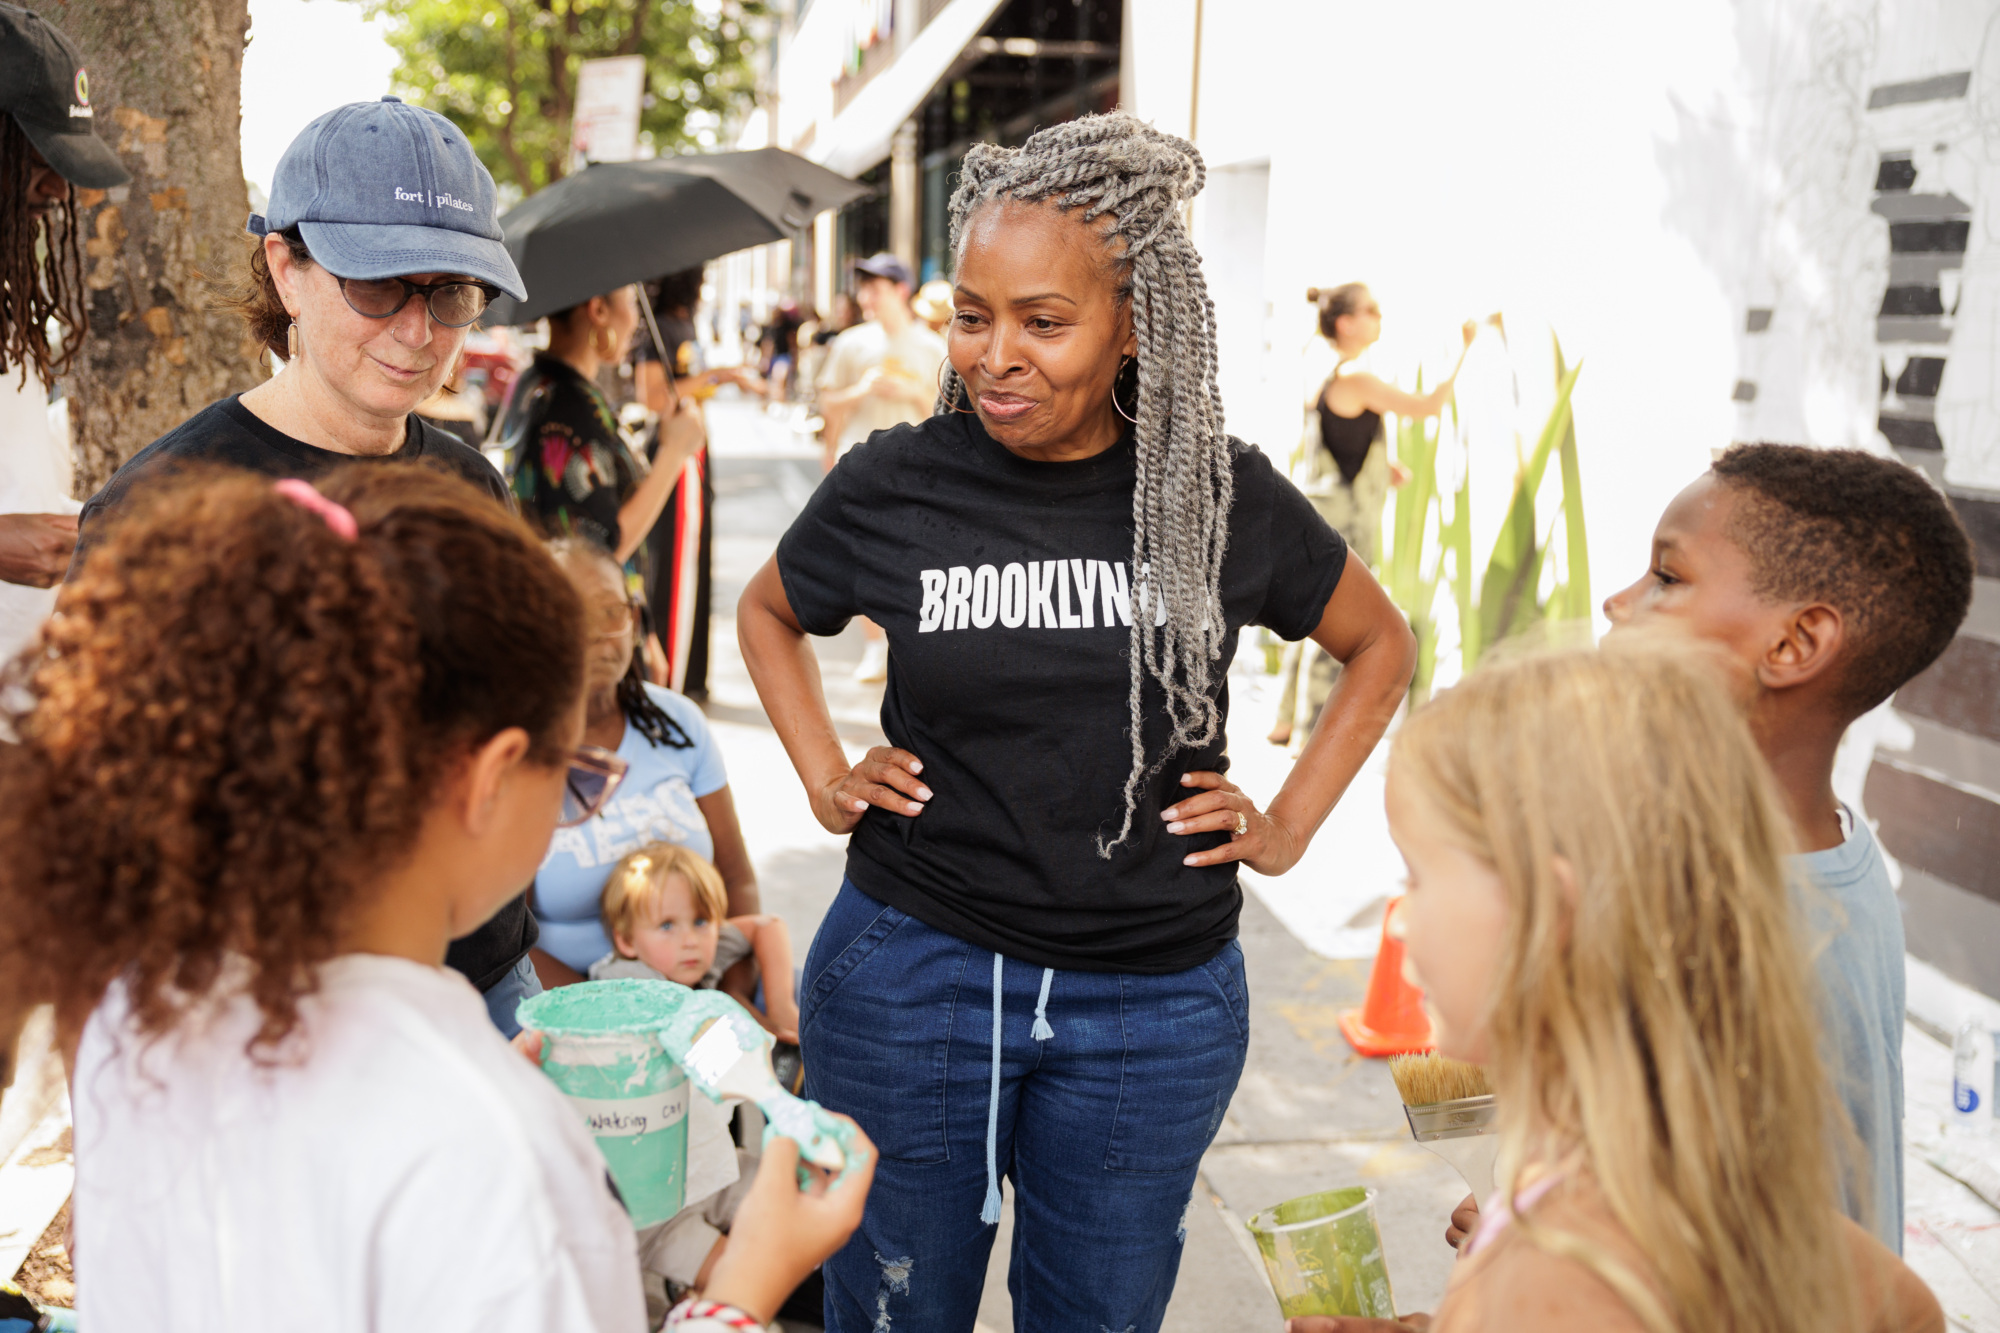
[(694, 1315)]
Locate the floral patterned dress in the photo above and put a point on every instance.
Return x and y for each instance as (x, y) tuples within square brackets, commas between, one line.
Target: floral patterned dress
[(570, 468)]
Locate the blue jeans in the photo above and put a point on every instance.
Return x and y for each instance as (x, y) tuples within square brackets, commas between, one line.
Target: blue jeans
[(504, 996), (1100, 1128)]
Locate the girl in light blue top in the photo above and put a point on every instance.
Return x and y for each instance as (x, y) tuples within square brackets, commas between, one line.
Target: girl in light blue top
[(676, 790)]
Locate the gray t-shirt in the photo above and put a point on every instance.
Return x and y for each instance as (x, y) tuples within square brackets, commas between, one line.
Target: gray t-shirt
[(732, 946), (1858, 951)]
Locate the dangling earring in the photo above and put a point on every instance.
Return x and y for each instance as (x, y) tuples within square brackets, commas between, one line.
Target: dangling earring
[(952, 401), (1133, 363), (292, 343), (610, 343)]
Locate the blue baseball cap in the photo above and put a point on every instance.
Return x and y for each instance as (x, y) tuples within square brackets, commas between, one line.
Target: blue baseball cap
[(383, 189)]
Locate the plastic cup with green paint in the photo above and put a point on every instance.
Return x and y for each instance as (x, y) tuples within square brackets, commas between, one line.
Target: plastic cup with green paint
[(1324, 1254), (634, 1099)]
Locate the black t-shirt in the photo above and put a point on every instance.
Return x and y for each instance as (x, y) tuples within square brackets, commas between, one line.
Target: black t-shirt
[(1004, 588), (229, 433)]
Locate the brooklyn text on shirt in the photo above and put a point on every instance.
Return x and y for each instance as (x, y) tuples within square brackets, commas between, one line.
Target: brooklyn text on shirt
[(1032, 594)]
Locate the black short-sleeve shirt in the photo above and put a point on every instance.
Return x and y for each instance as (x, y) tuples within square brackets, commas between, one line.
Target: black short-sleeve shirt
[(229, 433), (1005, 590)]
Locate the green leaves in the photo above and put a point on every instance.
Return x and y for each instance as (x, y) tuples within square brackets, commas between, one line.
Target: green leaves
[(504, 71), (1433, 545)]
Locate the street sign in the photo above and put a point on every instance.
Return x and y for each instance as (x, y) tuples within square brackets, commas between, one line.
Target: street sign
[(605, 127)]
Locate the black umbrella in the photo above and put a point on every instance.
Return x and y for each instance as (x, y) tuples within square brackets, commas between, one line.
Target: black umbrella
[(619, 222)]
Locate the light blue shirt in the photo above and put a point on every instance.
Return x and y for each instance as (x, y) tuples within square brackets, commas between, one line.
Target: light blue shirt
[(655, 803), (1858, 929)]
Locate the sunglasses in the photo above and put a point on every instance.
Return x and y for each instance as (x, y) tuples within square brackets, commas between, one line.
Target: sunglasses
[(452, 304), (594, 773)]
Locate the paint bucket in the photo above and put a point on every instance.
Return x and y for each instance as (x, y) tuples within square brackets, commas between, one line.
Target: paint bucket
[(1324, 1254), (600, 1049)]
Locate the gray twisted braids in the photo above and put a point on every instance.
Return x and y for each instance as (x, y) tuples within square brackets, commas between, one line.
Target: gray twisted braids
[(1117, 167)]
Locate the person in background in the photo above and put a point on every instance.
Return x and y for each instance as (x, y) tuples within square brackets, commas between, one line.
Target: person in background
[(48, 146), (1345, 469), (883, 372), (667, 913), (668, 917), (571, 470), (365, 341), (780, 350), (1597, 913), (682, 542), (676, 790), (932, 305)]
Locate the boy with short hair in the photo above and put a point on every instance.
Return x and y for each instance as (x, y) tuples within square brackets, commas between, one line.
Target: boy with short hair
[(1831, 576)]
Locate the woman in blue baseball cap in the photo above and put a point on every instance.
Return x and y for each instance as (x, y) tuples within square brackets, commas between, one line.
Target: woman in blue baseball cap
[(380, 249)]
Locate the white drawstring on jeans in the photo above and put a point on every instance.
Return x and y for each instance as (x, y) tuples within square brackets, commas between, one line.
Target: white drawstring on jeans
[(1042, 1030), (990, 1212)]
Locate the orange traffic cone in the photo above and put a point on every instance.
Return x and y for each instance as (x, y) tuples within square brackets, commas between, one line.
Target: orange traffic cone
[(1391, 1021)]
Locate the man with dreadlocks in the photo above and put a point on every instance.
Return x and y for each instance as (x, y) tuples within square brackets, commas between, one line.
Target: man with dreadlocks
[(47, 146), (1031, 970)]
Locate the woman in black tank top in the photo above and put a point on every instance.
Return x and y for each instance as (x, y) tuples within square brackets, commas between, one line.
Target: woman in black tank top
[(1345, 465)]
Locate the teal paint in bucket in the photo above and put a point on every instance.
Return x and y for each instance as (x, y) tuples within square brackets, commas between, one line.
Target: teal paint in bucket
[(599, 1048)]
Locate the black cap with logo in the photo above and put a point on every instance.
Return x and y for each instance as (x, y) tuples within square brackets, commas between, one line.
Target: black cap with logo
[(45, 87)]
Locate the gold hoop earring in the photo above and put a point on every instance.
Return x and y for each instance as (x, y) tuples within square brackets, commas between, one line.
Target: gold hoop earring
[(1115, 404), (293, 343), (610, 343), (951, 402)]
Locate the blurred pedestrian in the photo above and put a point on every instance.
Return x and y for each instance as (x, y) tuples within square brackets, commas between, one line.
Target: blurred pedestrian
[(1345, 469), (676, 789), (682, 542), (571, 469), (1031, 969), (365, 341), (883, 372), (48, 145)]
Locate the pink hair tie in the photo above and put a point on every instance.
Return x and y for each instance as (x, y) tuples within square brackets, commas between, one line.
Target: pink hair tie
[(305, 496)]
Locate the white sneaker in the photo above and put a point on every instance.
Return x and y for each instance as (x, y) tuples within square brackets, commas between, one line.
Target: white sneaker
[(874, 668)]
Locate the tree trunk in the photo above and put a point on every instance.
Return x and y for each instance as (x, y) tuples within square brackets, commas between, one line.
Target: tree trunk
[(166, 79)]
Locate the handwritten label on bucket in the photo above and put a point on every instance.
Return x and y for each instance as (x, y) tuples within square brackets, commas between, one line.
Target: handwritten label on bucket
[(631, 1116)]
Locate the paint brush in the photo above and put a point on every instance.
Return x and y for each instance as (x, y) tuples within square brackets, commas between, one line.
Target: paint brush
[(727, 1054), (1450, 1112)]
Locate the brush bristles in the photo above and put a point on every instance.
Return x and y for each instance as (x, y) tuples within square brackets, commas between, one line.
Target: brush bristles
[(1422, 1080)]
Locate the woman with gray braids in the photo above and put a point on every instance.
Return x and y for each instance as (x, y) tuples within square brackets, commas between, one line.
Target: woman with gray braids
[(1031, 970)]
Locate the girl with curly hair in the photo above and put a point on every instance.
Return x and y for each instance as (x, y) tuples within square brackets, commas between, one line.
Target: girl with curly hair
[(281, 747)]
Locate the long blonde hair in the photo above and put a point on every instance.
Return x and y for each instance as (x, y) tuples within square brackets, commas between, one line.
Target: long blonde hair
[(1658, 1019)]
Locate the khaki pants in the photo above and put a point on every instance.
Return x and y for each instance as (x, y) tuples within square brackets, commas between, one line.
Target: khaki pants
[(1355, 512)]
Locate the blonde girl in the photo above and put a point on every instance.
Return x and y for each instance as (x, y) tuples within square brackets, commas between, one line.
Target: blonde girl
[(1598, 914)]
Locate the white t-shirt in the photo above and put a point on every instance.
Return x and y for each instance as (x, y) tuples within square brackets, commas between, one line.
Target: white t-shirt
[(915, 353), (405, 1170), (34, 479)]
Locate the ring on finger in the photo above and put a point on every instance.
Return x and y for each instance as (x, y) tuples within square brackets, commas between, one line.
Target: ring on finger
[(1242, 823)]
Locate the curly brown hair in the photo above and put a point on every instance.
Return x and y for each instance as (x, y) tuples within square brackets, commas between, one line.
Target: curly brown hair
[(239, 719), (256, 298)]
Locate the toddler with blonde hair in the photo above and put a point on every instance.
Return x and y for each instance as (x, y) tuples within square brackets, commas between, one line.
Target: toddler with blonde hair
[(1598, 913)]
